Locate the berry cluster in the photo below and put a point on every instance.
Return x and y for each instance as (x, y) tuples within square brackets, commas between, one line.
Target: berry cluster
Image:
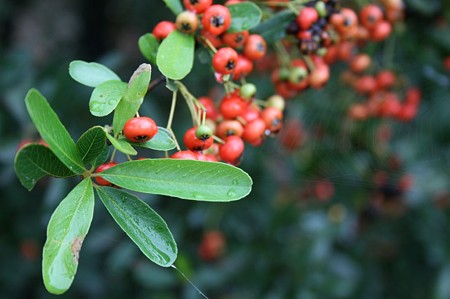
[(210, 23), (322, 33), (380, 92), (237, 119)]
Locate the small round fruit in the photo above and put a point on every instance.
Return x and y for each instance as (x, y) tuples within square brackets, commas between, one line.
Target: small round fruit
[(208, 103), (276, 101), (255, 47), (140, 129), (225, 60), (212, 245), (232, 150), (360, 63), (370, 15), (247, 91), (244, 67), (197, 6), (229, 127), (254, 130), (184, 155), (273, 118), (163, 29), (203, 132), (232, 106), (216, 19), (194, 143), (235, 39), (101, 181), (307, 17), (381, 31), (187, 22)]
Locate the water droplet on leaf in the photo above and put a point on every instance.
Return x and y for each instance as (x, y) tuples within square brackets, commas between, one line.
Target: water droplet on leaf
[(231, 193)]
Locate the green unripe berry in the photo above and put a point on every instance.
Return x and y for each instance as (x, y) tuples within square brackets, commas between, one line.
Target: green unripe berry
[(203, 132), (248, 91), (297, 74), (276, 101), (321, 9)]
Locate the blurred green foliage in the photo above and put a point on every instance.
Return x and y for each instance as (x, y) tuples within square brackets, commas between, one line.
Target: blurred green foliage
[(282, 242)]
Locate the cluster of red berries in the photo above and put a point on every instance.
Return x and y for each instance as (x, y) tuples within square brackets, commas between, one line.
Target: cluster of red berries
[(380, 92), (324, 33), (210, 22), (236, 120)]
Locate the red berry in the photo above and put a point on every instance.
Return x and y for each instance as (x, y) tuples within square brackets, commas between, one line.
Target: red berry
[(229, 127), (235, 40), (413, 96), (231, 151), (140, 129), (163, 29), (319, 76), (243, 67), (370, 15), (255, 47), (197, 6), (225, 60), (184, 155), (208, 103), (232, 106), (194, 143), (385, 79), (101, 181), (307, 17), (273, 118), (254, 130), (381, 31), (251, 113), (212, 245), (360, 63), (216, 19)]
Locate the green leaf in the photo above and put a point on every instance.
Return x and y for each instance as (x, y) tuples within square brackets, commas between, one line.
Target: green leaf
[(275, 28), (53, 131), (174, 5), (91, 73), (142, 224), (122, 145), (133, 97), (176, 55), (244, 16), (162, 141), (34, 161), (106, 96), (91, 144), (148, 45), (102, 157), (66, 231), (187, 179)]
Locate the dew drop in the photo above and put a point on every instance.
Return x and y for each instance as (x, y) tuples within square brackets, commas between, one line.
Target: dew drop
[(184, 175), (95, 106), (157, 171), (231, 193), (112, 102), (197, 195), (234, 182), (178, 166)]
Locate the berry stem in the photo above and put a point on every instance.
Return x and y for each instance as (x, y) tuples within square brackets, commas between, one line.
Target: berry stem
[(307, 59), (172, 110), (209, 45), (218, 140)]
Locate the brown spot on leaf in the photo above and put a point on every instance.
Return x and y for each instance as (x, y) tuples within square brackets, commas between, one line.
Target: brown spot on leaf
[(76, 247)]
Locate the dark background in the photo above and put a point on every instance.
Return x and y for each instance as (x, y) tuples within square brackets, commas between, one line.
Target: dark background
[(282, 240)]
